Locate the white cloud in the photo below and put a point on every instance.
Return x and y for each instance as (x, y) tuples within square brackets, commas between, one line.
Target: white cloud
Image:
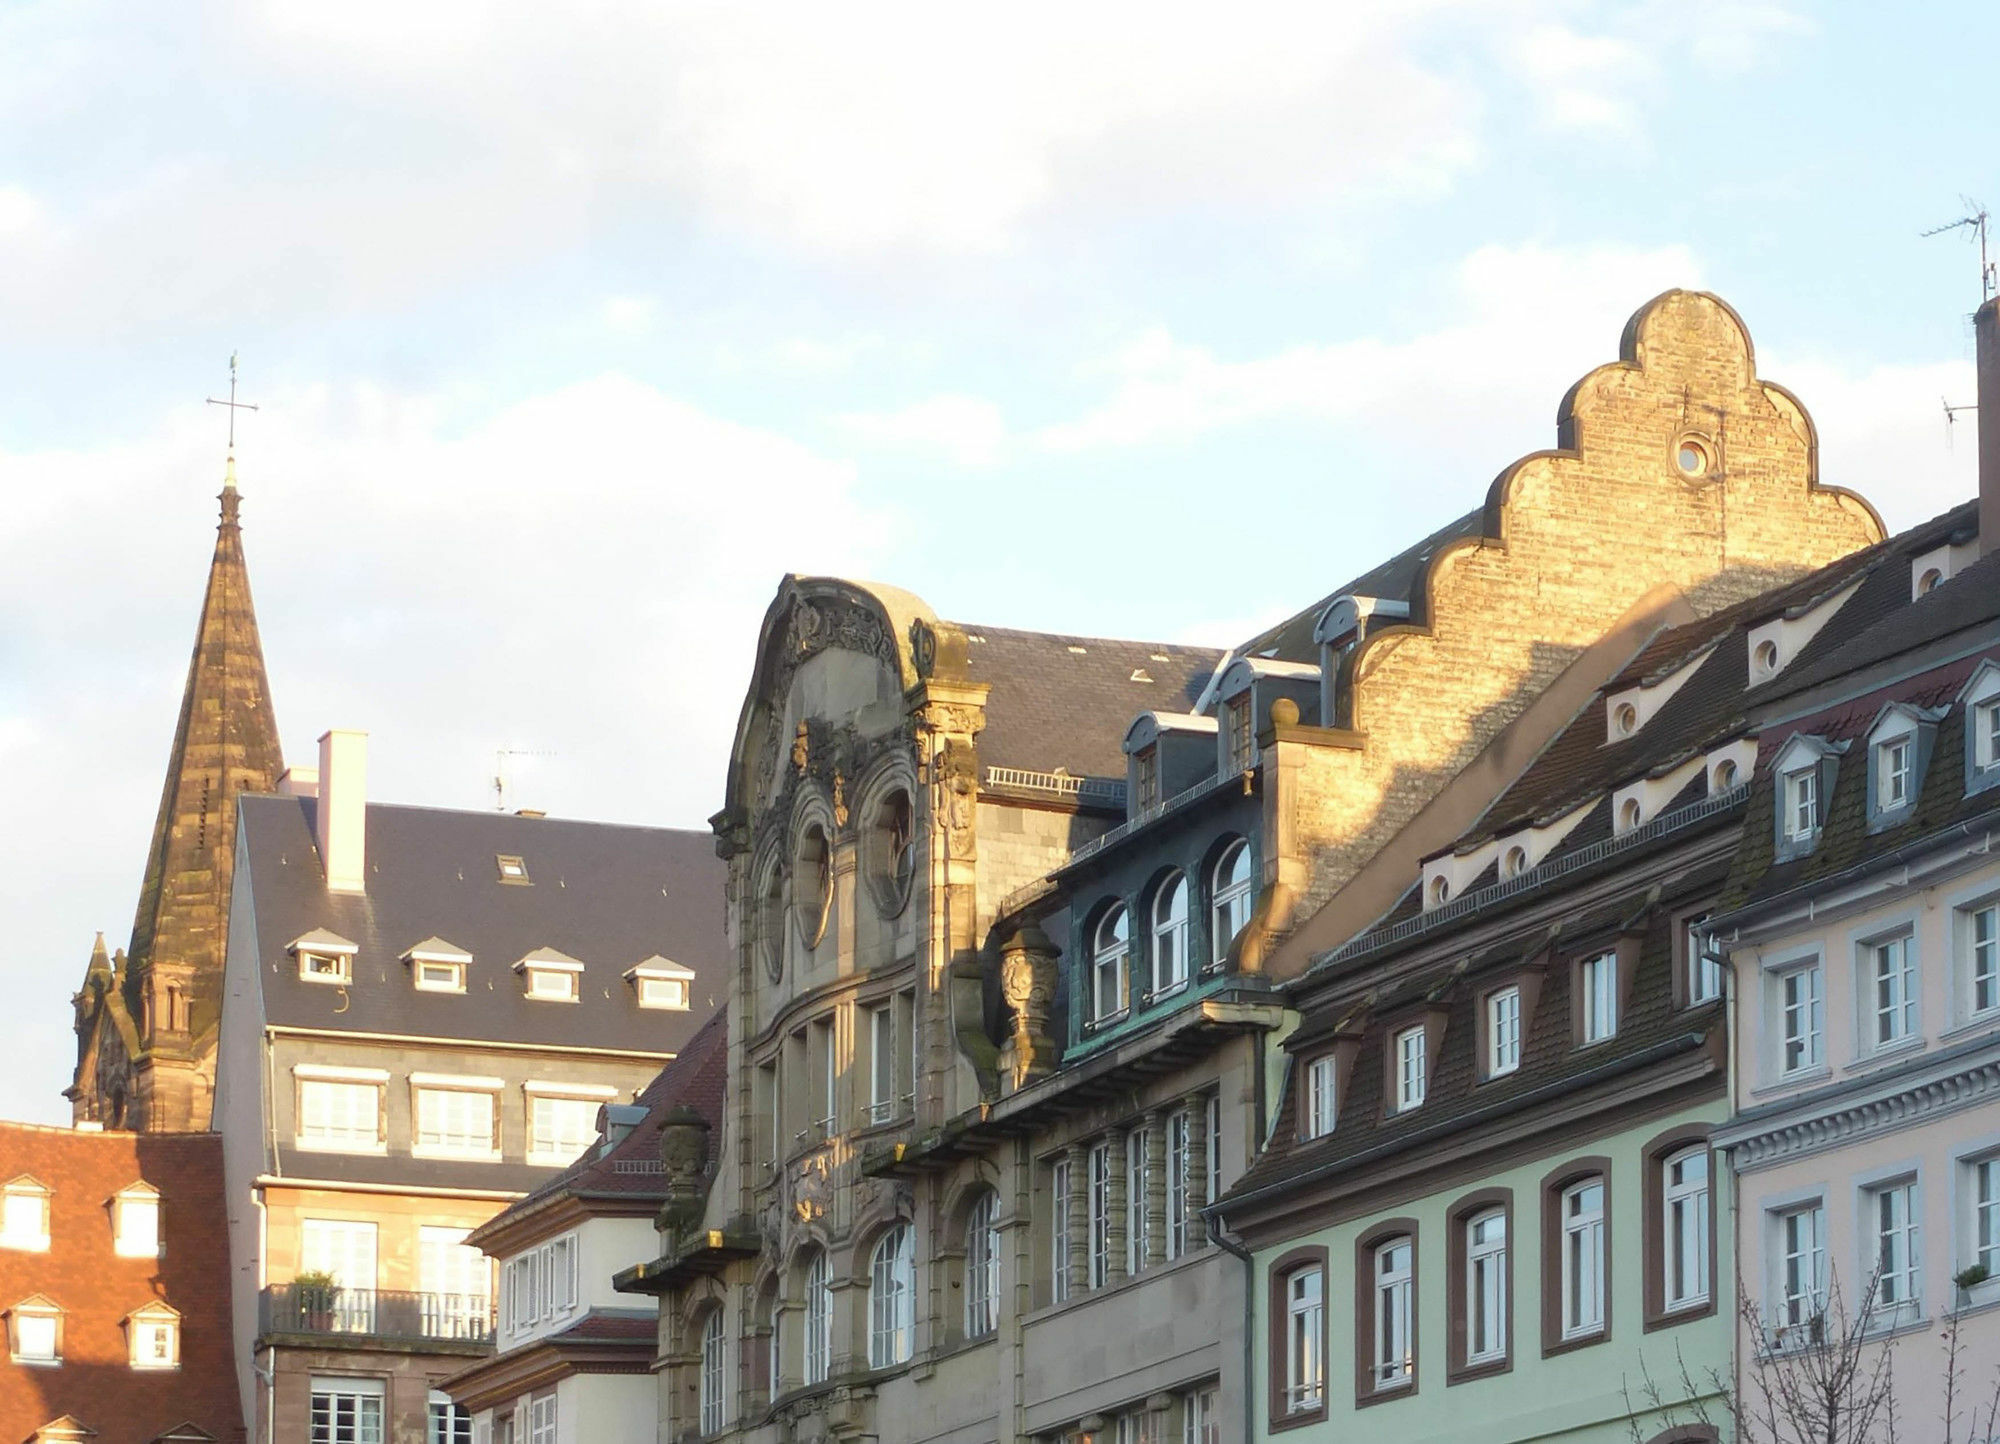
[(583, 573), (629, 315), (964, 430)]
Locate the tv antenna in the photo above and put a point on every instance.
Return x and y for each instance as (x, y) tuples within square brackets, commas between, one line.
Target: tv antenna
[(500, 778), (1975, 220)]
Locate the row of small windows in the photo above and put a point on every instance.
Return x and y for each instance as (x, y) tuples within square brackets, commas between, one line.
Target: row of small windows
[(352, 1411), (26, 1205), (1887, 992), (35, 1335), (799, 1087), (1191, 1416), (1170, 949), (341, 1110), (1598, 993), (1575, 1277), (1106, 1194), (547, 975)]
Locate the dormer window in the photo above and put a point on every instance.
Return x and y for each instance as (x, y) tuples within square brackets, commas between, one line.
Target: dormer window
[(1624, 719), (1411, 1079), (1724, 776), (437, 967), (1146, 778), (35, 1332), (1629, 814), (1764, 659), (135, 1222), (1514, 861), (550, 977), (153, 1337), (661, 983), (512, 869), (1242, 743), (1440, 890), (24, 1215), (1802, 805), (1805, 768), (1893, 765), (1899, 749), (325, 957), (1981, 700)]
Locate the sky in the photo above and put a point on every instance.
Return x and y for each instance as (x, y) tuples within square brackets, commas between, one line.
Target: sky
[(574, 331)]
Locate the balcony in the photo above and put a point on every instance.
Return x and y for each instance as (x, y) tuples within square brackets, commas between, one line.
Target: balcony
[(456, 1323)]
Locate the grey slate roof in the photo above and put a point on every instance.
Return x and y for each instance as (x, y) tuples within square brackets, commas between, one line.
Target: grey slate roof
[(1065, 702), (607, 895)]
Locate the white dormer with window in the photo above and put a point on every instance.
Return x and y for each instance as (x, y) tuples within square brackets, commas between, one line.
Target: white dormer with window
[(1804, 768), (1345, 621), (661, 983), (549, 976), (1932, 569), (24, 1214), (153, 1336), (1629, 709), (135, 1221), (324, 957), (1638, 803), (437, 966), (1514, 852), (1980, 698), (35, 1332), (1899, 751), (1730, 765), (1775, 643)]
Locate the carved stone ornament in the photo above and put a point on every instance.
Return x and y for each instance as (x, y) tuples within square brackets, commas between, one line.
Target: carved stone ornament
[(684, 1161), (801, 747), (1028, 976), (923, 647)]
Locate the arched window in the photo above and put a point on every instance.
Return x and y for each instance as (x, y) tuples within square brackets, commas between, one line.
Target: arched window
[(892, 851), (1170, 934), (1110, 948), (771, 919), (892, 1300), (774, 1346), (714, 1374), (982, 1266), (812, 883), (819, 1319), (1229, 904)]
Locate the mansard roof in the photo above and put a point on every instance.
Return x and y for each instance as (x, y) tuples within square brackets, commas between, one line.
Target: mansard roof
[(602, 893)]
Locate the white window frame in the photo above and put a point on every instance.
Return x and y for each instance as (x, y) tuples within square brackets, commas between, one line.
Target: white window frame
[(1979, 938), (1799, 993), (1704, 967), (1170, 934), (549, 1148), (1060, 1224), (1138, 1184), (437, 975), (429, 1138), (1799, 1266), (882, 1062), (713, 1390), (1110, 964), (817, 1359), (982, 1266), (1984, 719), (340, 1092), (153, 1339), (1201, 1416), (1583, 1258), (135, 1221), (1801, 799), (1305, 1339), (1685, 1251), (1393, 1360), (1099, 1209), (446, 1422), (24, 1215), (1981, 1185), (892, 1298), (321, 965), (1895, 771), (1890, 991), (543, 1422), (363, 1401), (1322, 1107), (25, 1345), (1503, 1031), (1412, 1066), (1486, 1287), (1229, 907), (1179, 1155), (1892, 1230), (1597, 982)]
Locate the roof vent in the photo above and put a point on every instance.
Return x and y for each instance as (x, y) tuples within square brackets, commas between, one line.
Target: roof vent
[(1140, 674), (1076, 651)]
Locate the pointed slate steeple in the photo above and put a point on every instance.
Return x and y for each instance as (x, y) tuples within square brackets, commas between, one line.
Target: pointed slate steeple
[(170, 990)]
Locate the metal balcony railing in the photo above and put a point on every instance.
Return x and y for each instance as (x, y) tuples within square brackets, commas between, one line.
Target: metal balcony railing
[(375, 1314)]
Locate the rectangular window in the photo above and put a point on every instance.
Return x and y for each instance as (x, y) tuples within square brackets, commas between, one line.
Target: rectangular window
[(1179, 1156), (1685, 1186), (559, 1129), (1305, 1356), (1802, 804), (1242, 745), (1982, 927), (448, 1423), (440, 977), (326, 968), (336, 1116), (663, 993), (552, 985), (1893, 1217), (1214, 1149), (1146, 769), (1986, 1215), (24, 1219), (35, 1338), (1986, 735), (1100, 1214), (826, 1075), (1138, 1190), (1583, 1260), (456, 1283), (1319, 1097), (1892, 773), (1893, 990), (454, 1120), (1802, 1020), (346, 1411), (1201, 1417), (1801, 1268), (1060, 1225), (1598, 981), (1503, 1032), (542, 1418), (1486, 1288), (1704, 967), (881, 1064), (1411, 1063), (1395, 1360)]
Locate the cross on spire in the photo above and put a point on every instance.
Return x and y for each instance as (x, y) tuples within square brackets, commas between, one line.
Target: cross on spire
[(233, 404)]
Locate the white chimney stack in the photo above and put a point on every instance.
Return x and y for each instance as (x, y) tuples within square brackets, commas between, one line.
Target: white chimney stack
[(343, 809), (1986, 338)]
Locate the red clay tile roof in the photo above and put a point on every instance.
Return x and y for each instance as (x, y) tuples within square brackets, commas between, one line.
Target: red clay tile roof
[(96, 1289)]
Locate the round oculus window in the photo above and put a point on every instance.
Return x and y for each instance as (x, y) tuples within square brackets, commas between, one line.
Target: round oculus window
[(1692, 457)]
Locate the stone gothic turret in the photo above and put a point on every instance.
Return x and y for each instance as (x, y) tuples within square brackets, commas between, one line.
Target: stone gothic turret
[(146, 1032)]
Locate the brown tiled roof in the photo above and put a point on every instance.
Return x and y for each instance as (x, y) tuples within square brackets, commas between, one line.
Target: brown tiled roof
[(1066, 702), (82, 1274)]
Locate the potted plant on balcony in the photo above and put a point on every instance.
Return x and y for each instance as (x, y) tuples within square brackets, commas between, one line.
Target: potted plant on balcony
[(314, 1291), (1972, 1286)]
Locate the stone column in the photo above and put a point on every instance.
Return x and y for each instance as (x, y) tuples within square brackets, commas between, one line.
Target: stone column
[(1197, 1168), (1114, 1264), (1156, 1187), (1079, 1218)]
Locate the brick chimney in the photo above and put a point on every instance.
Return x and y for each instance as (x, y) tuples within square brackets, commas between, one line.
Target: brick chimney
[(1986, 330), (343, 809)]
